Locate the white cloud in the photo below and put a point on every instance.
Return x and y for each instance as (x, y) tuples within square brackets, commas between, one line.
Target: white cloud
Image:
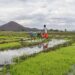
[(34, 13)]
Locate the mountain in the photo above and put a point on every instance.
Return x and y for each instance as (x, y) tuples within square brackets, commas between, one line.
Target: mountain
[(13, 26)]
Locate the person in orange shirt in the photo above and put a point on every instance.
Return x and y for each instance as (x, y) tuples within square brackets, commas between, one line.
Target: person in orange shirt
[(45, 34)]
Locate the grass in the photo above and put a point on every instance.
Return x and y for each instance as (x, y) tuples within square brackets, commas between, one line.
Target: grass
[(10, 46), (52, 63)]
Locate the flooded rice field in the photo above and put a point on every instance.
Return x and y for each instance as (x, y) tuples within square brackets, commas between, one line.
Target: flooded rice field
[(6, 57)]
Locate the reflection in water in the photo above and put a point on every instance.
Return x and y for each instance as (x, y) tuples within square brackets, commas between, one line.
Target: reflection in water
[(31, 47), (44, 45), (40, 45)]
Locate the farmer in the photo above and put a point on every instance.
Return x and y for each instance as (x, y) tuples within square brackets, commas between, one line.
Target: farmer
[(45, 33)]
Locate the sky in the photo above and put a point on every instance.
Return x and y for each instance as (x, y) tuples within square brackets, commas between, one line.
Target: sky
[(56, 14)]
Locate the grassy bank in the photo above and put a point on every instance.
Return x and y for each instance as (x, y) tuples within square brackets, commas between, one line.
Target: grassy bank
[(52, 63)]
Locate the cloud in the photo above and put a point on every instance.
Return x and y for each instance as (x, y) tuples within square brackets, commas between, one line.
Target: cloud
[(57, 14)]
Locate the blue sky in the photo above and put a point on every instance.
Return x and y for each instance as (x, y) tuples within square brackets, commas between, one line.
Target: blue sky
[(56, 14)]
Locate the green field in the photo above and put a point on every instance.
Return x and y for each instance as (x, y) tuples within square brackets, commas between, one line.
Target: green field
[(12, 40), (56, 62)]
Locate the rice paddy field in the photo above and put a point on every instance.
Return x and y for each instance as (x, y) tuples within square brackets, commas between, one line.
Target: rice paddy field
[(57, 62)]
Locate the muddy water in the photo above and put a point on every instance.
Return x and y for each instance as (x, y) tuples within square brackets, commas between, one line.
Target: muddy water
[(72, 70), (7, 56)]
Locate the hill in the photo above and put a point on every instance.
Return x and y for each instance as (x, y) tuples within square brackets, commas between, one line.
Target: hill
[(13, 26)]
